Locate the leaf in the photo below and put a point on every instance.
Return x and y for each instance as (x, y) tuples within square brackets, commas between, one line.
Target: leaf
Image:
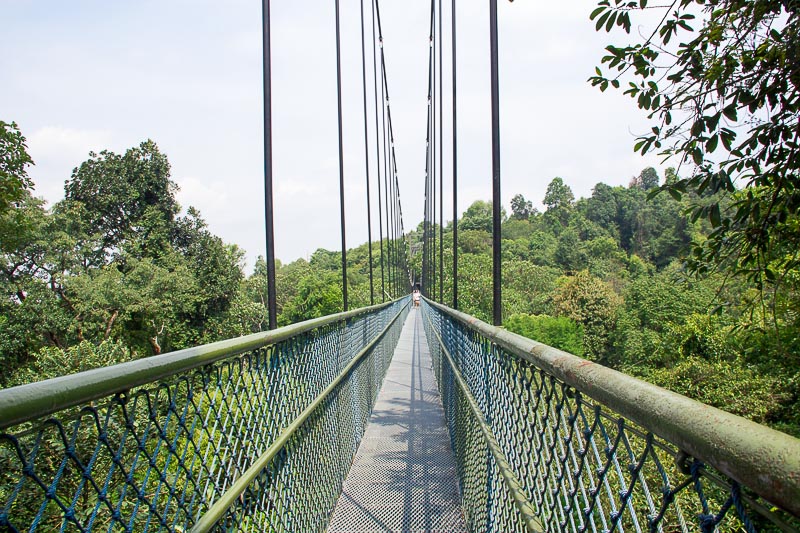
[(711, 145), (602, 20), (611, 20), (714, 216), (697, 156), (596, 12)]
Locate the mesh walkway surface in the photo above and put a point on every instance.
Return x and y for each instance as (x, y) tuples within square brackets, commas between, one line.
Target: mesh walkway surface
[(403, 478)]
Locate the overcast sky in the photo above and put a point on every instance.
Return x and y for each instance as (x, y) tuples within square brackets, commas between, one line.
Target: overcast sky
[(88, 75)]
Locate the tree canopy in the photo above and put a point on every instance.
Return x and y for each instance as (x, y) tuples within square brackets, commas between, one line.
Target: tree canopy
[(721, 81)]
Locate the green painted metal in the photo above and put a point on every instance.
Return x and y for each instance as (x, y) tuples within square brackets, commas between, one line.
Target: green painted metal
[(34, 400), (765, 460), (221, 506), (524, 506), (155, 445)]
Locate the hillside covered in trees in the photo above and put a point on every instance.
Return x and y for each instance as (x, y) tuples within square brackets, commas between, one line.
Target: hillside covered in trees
[(115, 272), (609, 278)]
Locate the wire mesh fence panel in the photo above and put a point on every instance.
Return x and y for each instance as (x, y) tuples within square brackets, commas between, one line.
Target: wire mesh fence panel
[(573, 462), (158, 455)]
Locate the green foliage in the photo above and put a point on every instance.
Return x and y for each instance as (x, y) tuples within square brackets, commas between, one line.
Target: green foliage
[(521, 209), (558, 195), (559, 332), (14, 160), (731, 386), (126, 198), (317, 295), (591, 302), (112, 263), (114, 271), (52, 362), (478, 216), (725, 103)]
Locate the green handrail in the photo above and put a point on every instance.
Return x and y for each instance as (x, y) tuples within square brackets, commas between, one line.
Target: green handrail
[(221, 506), (212, 437), (760, 458), (34, 400), (524, 506)]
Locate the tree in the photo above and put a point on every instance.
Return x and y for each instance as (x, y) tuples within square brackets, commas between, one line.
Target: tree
[(127, 197), (593, 304), (559, 201), (558, 195), (648, 179), (559, 332), (14, 161), (521, 208), (478, 216), (726, 104)]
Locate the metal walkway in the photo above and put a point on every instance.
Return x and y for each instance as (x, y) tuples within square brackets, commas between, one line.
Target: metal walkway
[(403, 478)]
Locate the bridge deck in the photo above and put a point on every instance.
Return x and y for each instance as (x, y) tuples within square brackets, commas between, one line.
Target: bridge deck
[(403, 478)]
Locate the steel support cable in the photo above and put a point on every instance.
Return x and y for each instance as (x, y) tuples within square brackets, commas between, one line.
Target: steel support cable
[(497, 314), (366, 154), (217, 511), (436, 281), (431, 162), (378, 145), (385, 148), (441, 160), (393, 249), (398, 208), (390, 194), (524, 506), (393, 162), (272, 308), (426, 223), (341, 157), (385, 163), (391, 154), (455, 159), (424, 273)]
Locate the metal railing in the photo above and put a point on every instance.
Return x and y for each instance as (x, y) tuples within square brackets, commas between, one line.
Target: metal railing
[(250, 434), (547, 441)]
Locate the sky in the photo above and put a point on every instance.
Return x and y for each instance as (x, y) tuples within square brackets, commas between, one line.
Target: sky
[(91, 75)]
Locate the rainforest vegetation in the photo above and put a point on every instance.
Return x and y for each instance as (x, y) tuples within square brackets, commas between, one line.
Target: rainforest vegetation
[(115, 271)]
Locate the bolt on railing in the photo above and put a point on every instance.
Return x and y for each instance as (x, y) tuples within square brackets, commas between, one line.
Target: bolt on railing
[(547, 441), (249, 434)]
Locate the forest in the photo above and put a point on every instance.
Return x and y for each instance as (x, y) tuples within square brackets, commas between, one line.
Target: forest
[(117, 271)]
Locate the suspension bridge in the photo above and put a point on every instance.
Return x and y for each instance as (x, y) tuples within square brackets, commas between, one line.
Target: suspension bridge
[(386, 418)]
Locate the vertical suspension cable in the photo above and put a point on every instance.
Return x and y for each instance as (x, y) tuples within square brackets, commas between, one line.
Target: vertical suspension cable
[(436, 282), (497, 315), (272, 308), (424, 272), (455, 160), (398, 211), (341, 157), (385, 168), (428, 171), (441, 160), (366, 154), (378, 145), (393, 270)]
